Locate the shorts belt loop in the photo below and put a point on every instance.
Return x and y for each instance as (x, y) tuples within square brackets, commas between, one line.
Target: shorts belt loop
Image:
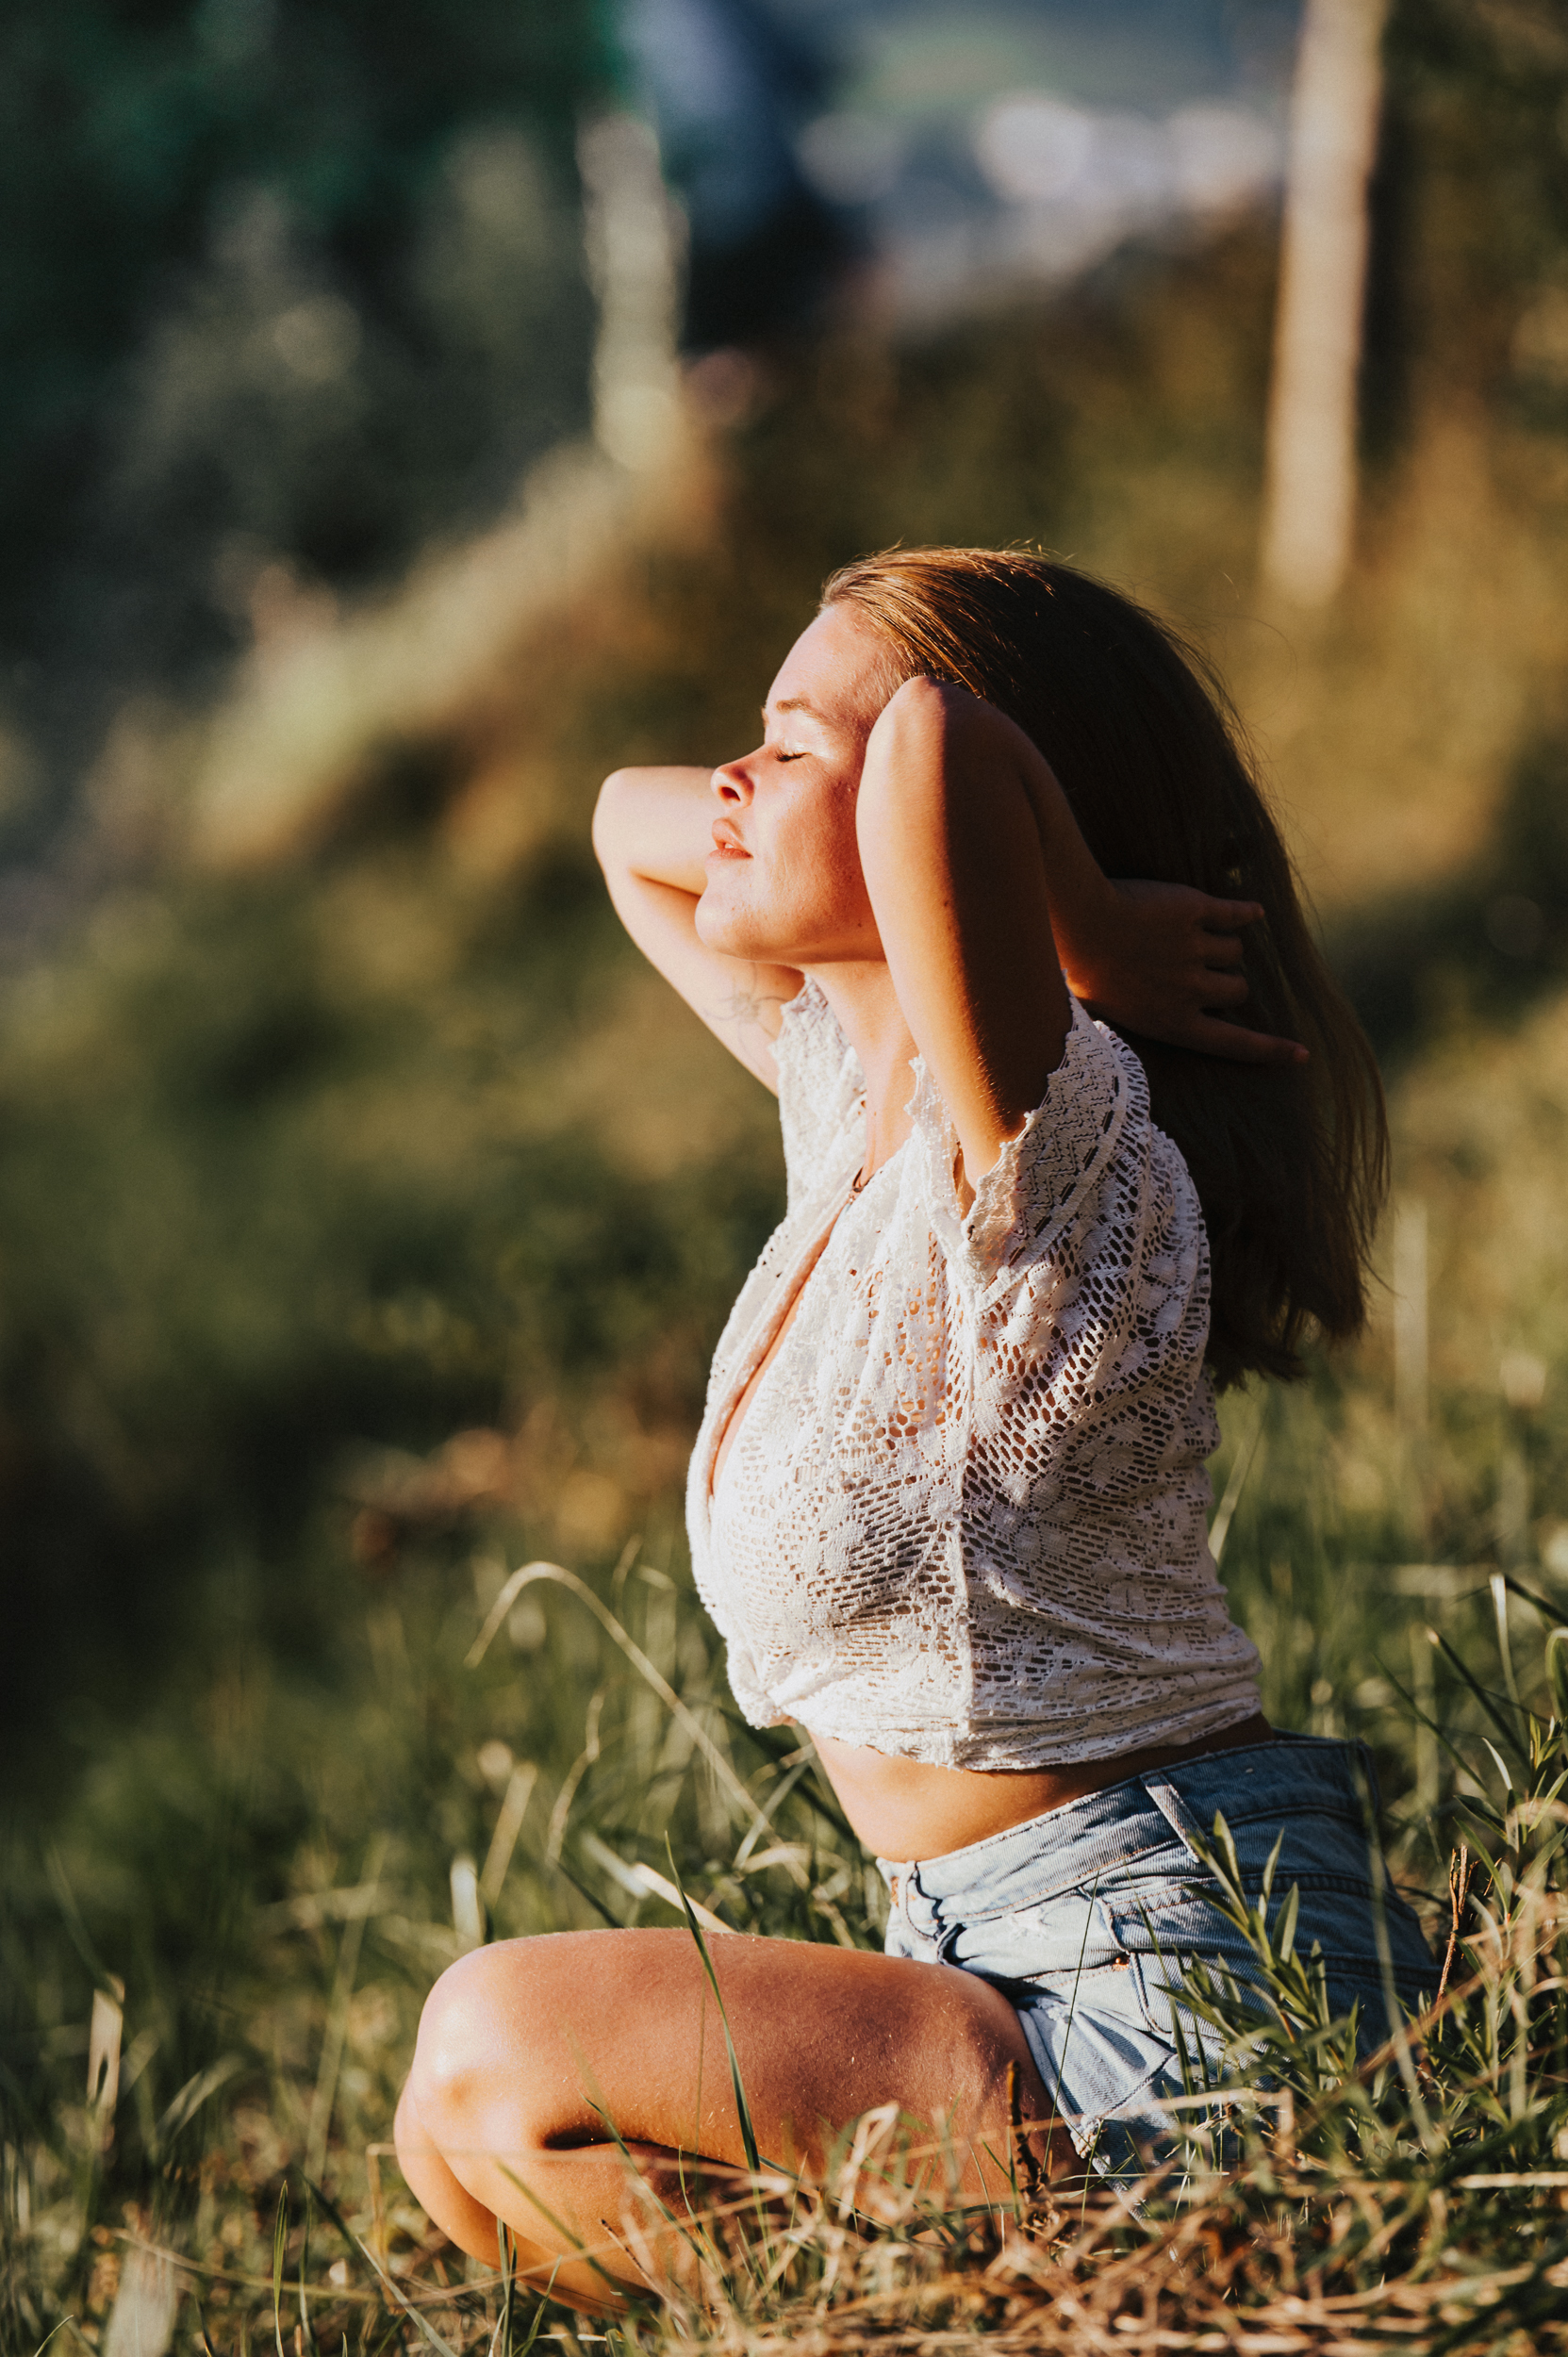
[(1173, 1809)]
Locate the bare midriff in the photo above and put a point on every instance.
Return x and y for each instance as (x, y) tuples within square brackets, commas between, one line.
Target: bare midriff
[(906, 1808)]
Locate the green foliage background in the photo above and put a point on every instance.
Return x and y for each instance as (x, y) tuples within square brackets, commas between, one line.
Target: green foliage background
[(366, 1224), (177, 180)]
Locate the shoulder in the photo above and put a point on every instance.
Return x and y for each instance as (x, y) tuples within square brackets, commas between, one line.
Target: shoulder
[(1089, 1156)]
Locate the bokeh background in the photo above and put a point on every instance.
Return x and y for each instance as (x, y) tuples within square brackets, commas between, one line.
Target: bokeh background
[(409, 413)]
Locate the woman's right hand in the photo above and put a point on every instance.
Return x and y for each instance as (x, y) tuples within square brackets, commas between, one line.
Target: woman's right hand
[(1167, 960)]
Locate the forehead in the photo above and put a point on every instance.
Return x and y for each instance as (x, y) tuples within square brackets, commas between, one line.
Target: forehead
[(837, 670)]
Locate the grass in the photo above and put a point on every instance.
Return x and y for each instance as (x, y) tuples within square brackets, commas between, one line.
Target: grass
[(231, 1933)]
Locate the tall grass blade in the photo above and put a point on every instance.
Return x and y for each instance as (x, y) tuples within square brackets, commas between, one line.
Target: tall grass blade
[(611, 1923), (1509, 1734), (421, 2323), (1219, 1529), (1418, 1712), (1399, 2029), (280, 2242), (560, 1577), (816, 1792), (508, 1824), (747, 2132), (500, 2340), (338, 2020), (642, 1882), (194, 2093), (1498, 1586), (306, 2329)]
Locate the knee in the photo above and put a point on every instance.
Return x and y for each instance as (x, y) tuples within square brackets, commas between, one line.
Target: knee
[(482, 2030), (457, 2048), (411, 2138)]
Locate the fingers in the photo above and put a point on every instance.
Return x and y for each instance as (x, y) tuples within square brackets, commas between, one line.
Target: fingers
[(1227, 916), (1212, 1037)]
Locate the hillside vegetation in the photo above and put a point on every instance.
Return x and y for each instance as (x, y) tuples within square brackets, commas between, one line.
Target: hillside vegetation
[(368, 1219)]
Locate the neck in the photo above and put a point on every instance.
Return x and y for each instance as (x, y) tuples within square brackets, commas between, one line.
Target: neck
[(863, 998)]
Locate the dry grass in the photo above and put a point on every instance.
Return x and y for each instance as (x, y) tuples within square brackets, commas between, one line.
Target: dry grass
[(1307, 2205)]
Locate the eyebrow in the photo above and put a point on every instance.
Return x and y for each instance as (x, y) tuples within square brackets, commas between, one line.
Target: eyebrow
[(795, 703)]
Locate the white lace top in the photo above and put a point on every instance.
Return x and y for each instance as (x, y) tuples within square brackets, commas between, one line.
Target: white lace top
[(963, 1517)]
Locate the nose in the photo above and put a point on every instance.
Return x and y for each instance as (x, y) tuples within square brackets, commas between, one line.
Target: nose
[(732, 782)]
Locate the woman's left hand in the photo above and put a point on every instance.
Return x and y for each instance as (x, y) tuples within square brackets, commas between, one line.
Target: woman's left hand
[(1167, 960)]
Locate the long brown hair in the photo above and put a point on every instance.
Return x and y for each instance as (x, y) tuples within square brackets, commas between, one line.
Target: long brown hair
[(1290, 1164)]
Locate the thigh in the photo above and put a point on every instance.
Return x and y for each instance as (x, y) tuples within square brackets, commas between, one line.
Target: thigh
[(539, 2047)]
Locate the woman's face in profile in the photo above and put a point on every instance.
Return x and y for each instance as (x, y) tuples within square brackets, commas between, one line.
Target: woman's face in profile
[(785, 883)]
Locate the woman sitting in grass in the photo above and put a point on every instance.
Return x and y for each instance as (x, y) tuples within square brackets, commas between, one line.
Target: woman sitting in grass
[(948, 1502)]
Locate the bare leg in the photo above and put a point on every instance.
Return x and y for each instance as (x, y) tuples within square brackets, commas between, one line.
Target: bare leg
[(528, 2050), (478, 2231)]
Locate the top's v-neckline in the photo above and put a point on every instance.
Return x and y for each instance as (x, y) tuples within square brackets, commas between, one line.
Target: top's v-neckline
[(743, 1400)]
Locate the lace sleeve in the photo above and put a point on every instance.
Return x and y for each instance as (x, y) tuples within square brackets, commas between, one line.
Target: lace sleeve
[(1038, 1183), (820, 1090)]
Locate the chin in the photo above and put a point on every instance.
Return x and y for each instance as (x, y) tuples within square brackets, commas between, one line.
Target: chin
[(735, 933)]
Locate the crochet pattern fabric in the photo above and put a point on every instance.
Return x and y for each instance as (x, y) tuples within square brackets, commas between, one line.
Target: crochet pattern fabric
[(963, 1517)]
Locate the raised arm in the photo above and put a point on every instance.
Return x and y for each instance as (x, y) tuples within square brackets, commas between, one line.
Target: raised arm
[(957, 851), (653, 831), (985, 892)]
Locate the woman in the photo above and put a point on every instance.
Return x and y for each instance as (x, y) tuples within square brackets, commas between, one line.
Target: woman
[(948, 1503)]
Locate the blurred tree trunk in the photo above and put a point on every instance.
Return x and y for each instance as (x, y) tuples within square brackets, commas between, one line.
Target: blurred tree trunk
[(631, 238), (1310, 495)]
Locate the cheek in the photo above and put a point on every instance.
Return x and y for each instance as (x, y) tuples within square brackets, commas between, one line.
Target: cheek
[(821, 855)]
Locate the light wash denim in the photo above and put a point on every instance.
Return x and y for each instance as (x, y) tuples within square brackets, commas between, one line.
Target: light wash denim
[(1085, 1916)]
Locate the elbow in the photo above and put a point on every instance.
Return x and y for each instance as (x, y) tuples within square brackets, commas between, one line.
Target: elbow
[(609, 815), (922, 717), (930, 720), (911, 775)]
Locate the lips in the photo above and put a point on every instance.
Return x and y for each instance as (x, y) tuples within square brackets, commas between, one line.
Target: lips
[(726, 843)]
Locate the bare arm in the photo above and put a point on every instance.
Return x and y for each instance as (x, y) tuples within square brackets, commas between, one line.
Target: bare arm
[(956, 850), (653, 830), (983, 888)]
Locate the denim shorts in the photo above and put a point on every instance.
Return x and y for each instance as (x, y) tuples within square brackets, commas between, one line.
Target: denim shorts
[(1085, 1916)]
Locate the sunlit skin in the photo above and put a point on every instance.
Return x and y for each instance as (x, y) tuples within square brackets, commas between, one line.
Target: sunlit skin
[(909, 848)]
